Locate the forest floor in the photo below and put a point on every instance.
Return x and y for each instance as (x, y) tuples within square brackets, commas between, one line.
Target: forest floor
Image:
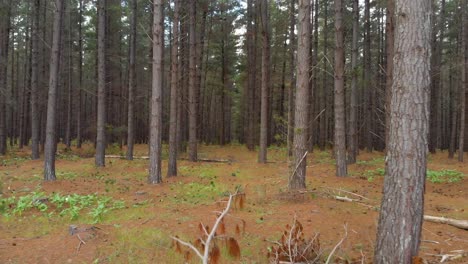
[(119, 218)]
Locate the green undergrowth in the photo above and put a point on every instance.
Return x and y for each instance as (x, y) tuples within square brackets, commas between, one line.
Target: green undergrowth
[(195, 193), (71, 206), (434, 176), (140, 245), (372, 162)]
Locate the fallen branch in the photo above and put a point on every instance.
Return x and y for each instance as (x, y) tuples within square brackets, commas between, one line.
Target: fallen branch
[(462, 224), (206, 253), (337, 245), (455, 255), (147, 157), (348, 192), (81, 242)]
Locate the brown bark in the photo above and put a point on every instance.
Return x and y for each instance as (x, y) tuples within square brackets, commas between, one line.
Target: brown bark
[(154, 176), (101, 90), (297, 180), (369, 90), (292, 81), (80, 77), (131, 83), (390, 33), (352, 132), (5, 8), (340, 123), (51, 144), (250, 76), (192, 97), (401, 214), (35, 83), (262, 155), (172, 163), (437, 38), (70, 81), (464, 82)]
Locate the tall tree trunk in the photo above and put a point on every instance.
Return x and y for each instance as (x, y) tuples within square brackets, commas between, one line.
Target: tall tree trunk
[(436, 61), (262, 155), (80, 77), (70, 82), (340, 122), (297, 180), (292, 81), (35, 82), (51, 144), (464, 82), (155, 147), (172, 163), (101, 93), (390, 32), (5, 9), (401, 213), (192, 85), (132, 83), (250, 75), (454, 111), (369, 90), (352, 133)]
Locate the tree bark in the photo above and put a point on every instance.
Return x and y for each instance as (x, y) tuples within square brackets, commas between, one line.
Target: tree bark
[(292, 81), (369, 114), (35, 83), (297, 180), (51, 144), (101, 93), (390, 38), (464, 82), (70, 82), (250, 76), (80, 77), (352, 132), (401, 214), (5, 12), (340, 123), (262, 155), (132, 84), (193, 152), (172, 163), (154, 176)]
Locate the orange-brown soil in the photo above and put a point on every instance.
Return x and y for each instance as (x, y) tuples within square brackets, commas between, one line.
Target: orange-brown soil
[(141, 232)]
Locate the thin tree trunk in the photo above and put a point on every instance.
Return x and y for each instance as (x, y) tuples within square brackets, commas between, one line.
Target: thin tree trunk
[(35, 83), (132, 83), (80, 77), (292, 81), (454, 111), (5, 12), (192, 85), (390, 32), (172, 163), (51, 144), (262, 155), (250, 76), (340, 122), (401, 214), (352, 133), (70, 82), (464, 82), (101, 94), (436, 61), (154, 176), (369, 114), (297, 180)]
